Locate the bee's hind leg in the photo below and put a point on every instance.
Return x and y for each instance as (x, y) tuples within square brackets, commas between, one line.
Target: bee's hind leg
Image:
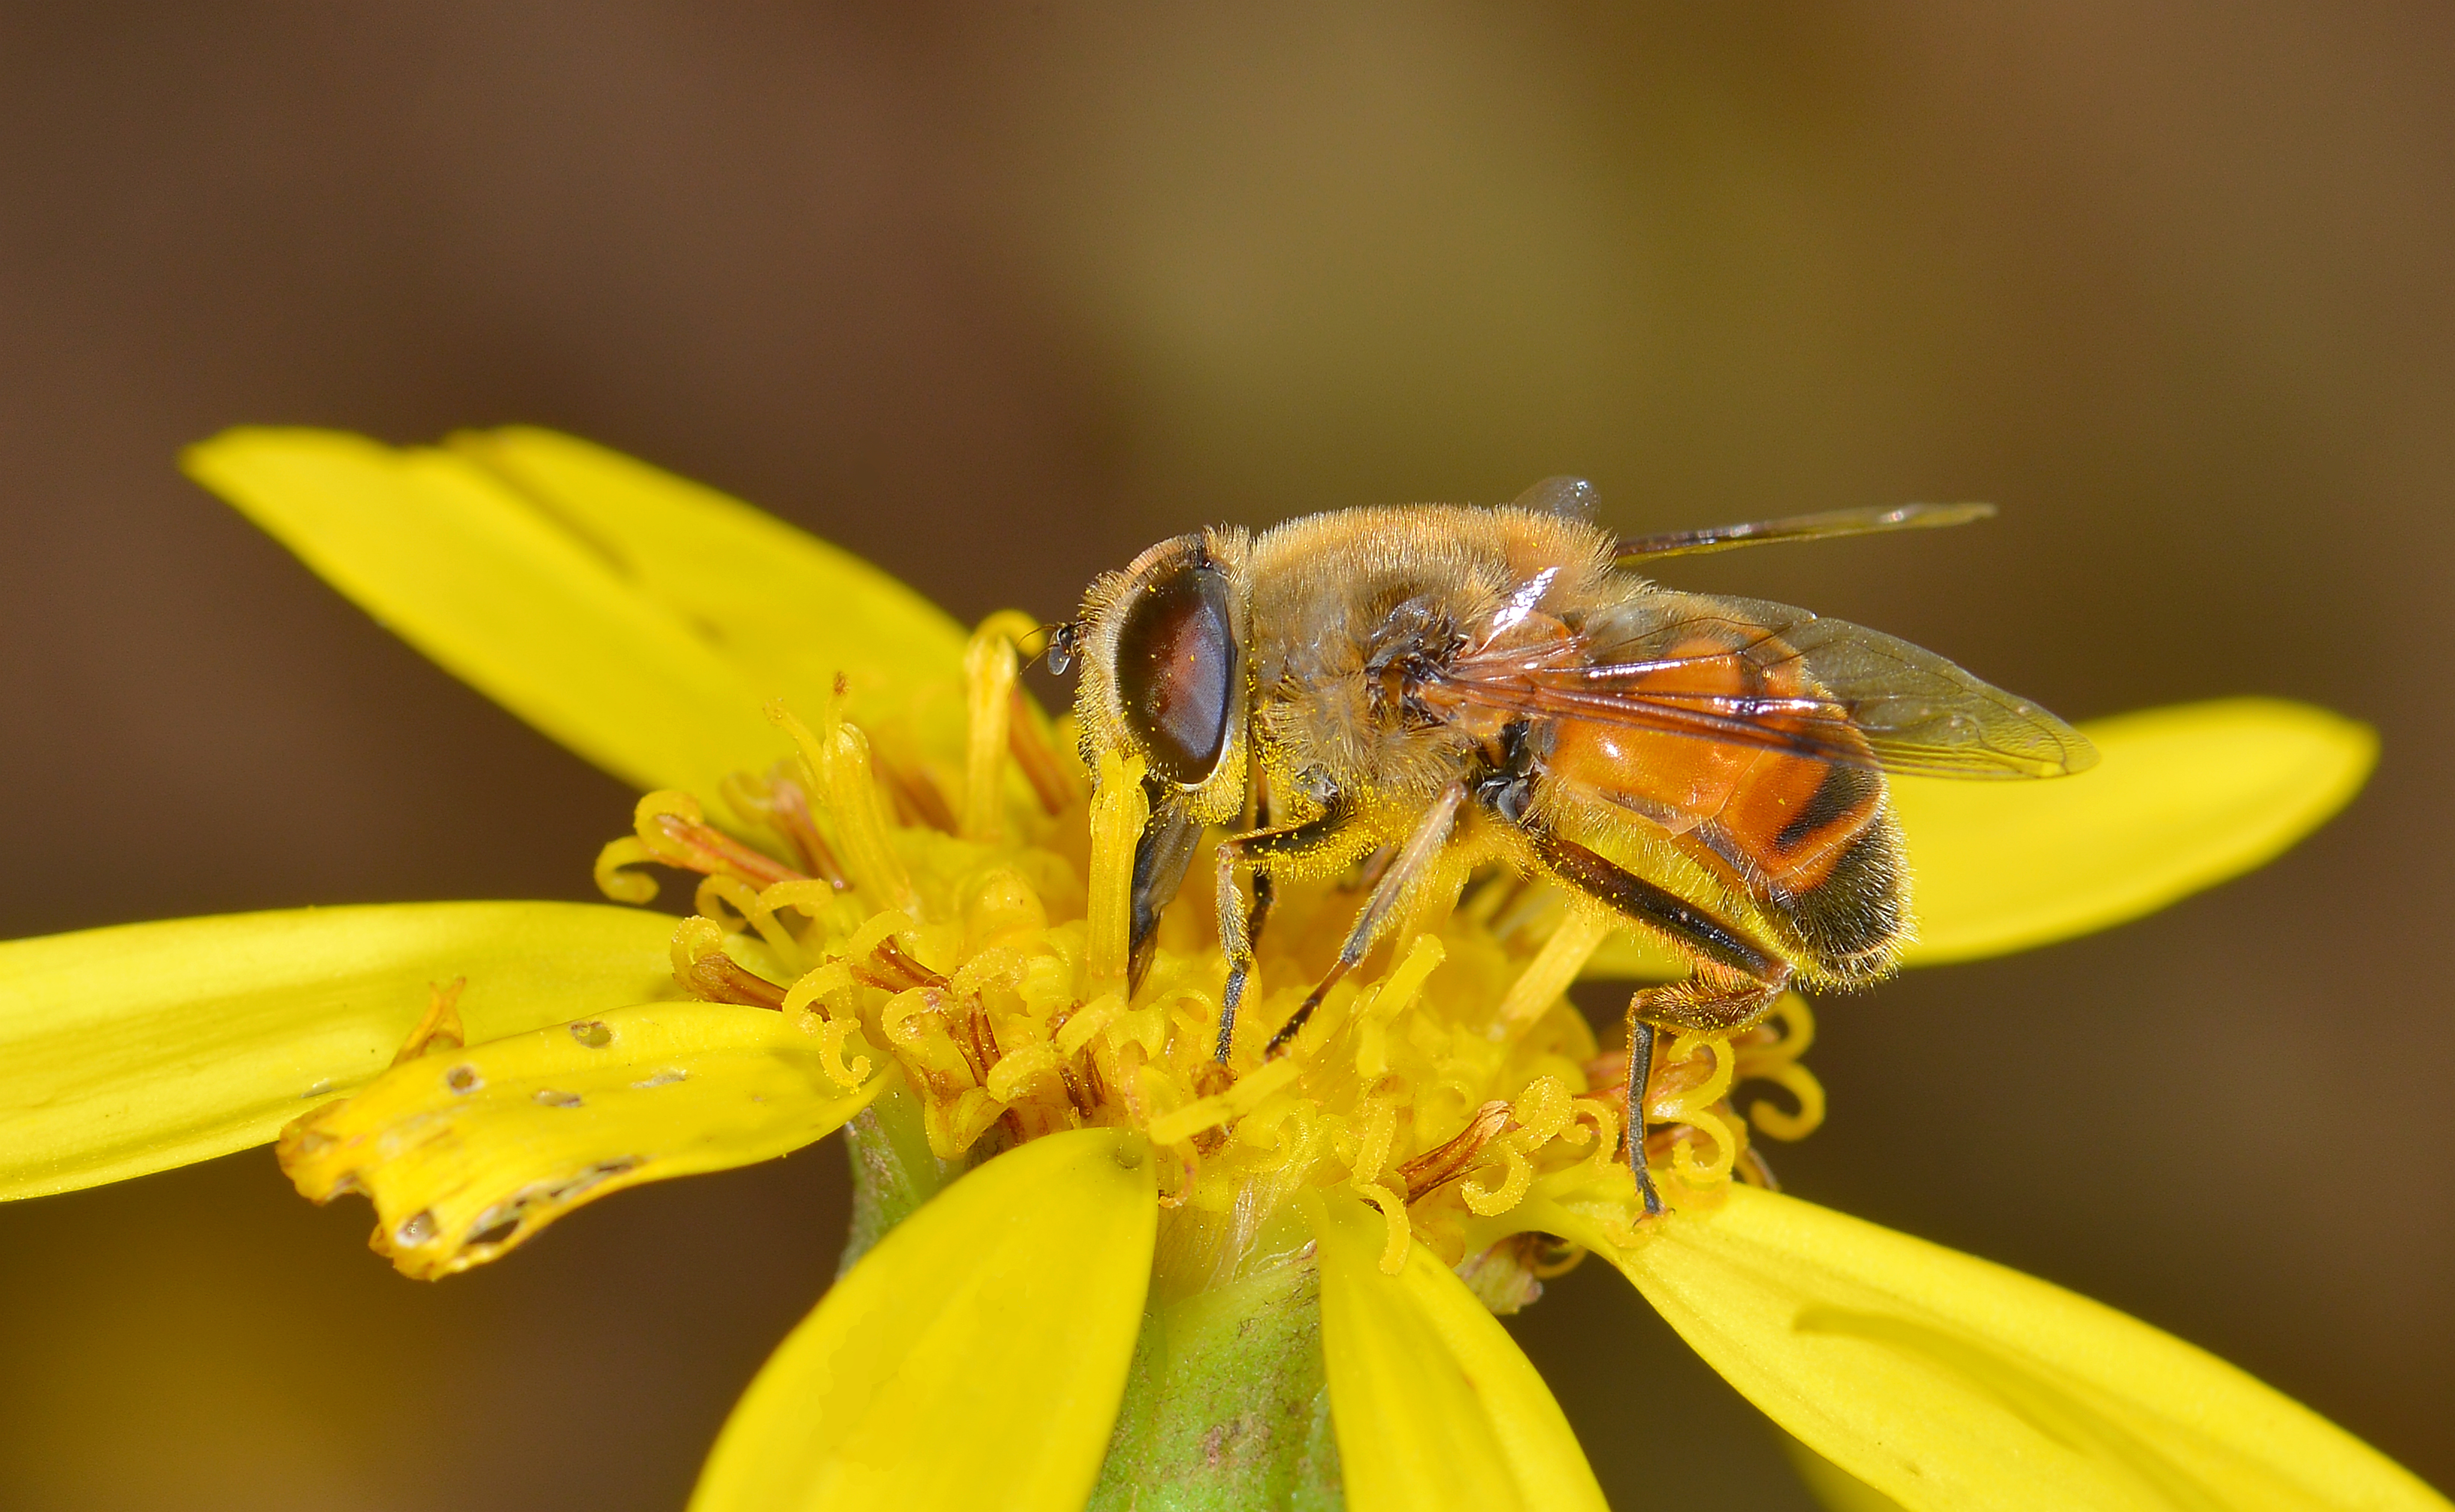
[(1715, 1000), (1736, 980)]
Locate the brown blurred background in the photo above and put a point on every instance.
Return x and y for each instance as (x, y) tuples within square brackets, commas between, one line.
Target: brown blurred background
[(997, 297)]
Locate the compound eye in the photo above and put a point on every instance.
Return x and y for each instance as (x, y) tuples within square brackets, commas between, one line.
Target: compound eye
[(1176, 670)]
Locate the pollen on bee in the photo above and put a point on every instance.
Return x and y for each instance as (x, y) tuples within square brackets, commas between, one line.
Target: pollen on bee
[(982, 952)]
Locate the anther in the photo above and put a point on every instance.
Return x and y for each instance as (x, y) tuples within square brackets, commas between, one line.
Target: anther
[(716, 978), (889, 968), (1038, 763), (789, 812), (438, 1028), (916, 798), (1435, 1168), (717, 854)]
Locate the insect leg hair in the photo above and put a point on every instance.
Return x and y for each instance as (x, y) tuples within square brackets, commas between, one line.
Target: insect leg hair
[(1640, 1071), (1430, 833), (1265, 886), (1237, 927), (1736, 980)]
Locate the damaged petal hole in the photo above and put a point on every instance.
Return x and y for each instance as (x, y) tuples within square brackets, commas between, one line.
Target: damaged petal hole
[(501, 1223), (592, 1034), (549, 1097), (464, 1079)]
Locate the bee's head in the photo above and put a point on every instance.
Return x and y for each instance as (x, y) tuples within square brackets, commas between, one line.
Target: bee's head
[(1164, 658)]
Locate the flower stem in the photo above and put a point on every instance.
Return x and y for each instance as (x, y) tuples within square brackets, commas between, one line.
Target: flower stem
[(893, 1172), (1228, 1407)]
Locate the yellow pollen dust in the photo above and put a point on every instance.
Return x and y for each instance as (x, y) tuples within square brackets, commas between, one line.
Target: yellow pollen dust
[(965, 930)]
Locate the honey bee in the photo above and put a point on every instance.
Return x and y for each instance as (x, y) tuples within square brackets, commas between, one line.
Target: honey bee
[(1439, 687)]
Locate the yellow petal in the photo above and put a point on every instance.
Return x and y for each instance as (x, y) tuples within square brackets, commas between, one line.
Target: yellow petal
[(1945, 1382), (1435, 1405), (508, 598), (133, 1049), (974, 1358), (1834, 1488), (2184, 798), (468, 1152), (791, 608)]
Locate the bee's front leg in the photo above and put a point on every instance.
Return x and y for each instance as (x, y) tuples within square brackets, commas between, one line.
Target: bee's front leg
[(1431, 833), (1236, 924)]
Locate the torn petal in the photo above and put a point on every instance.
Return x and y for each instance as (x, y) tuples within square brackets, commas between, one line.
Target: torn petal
[(1435, 1405), (1945, 1382), (466, 1153), (975, 1358), (145, 1046)]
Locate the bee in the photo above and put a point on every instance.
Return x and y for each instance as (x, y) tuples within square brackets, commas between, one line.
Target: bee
[(1438, 687)]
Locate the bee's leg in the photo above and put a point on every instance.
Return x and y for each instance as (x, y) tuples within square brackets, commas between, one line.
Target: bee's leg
[(1640, 1071), (1736, 982), (1161, 858), (1431, 833), (1714, 1000), (1237, 929), (1266, 891), (1265, 887)]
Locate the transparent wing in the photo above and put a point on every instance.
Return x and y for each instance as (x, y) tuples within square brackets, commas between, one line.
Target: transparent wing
[(1749, 673), (1830, 523), (1572, 496)]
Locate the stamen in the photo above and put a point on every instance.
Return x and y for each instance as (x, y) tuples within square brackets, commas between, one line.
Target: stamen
[(1553, 969), (1433, 1169), (989, 671), (838, 767), (779, 803), (1448, 1081), (918, 800), (888, 968), (1051, 780), (1393, 1212), (708, 974), (438, 1028), (690, 843), (1004, 721), (1118, 816)]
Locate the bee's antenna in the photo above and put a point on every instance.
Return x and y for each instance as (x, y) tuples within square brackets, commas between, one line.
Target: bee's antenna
[(1058, 644)]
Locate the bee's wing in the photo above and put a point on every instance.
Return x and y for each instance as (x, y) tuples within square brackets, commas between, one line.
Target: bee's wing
[(1867, 521), (1744, 671)]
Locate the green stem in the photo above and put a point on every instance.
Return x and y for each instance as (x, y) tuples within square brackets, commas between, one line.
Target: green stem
[(1227, 1407), (893, 1172)]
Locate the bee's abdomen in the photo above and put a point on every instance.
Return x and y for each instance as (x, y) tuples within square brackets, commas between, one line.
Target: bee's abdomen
[(1808, 838), (1851, 923)]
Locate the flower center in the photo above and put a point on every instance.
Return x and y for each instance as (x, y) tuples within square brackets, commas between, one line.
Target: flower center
[(968, 926)]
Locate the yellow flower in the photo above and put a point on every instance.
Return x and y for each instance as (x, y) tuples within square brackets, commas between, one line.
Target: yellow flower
[(1084, 1262)]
